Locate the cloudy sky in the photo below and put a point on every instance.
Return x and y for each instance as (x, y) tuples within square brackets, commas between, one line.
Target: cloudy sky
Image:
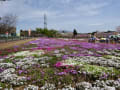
[(84, 15)]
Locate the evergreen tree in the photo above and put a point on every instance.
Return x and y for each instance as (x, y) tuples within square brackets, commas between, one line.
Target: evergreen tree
[(74, 33)]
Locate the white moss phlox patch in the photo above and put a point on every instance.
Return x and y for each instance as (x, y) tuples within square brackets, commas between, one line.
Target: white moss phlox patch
[(70, 61), (29, 53)]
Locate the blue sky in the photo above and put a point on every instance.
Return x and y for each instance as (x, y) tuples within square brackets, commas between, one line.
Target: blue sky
[(83, 15)]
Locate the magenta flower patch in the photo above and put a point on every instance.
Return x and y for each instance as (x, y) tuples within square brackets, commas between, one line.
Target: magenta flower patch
[(58, 64)]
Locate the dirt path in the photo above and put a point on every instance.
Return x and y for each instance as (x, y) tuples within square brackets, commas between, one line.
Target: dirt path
[(13, 43)]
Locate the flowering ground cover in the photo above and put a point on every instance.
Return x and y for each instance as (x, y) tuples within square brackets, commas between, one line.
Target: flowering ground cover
[(60, 64)]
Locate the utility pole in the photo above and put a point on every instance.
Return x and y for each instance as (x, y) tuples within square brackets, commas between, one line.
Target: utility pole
[(45, 21)]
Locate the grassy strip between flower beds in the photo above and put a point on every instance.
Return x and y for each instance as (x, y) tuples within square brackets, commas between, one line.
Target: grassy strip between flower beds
[(11, 44)]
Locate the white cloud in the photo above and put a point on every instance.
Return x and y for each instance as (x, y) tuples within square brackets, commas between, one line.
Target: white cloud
[(61, 13), (91, 9), (65, 1), (96, 24), (24, 10)]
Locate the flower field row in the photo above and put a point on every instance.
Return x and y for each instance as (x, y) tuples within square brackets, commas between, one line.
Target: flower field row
[(60, 64)]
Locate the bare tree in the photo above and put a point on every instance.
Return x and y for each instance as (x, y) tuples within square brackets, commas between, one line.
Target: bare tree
[(8, 23), (4, 0)]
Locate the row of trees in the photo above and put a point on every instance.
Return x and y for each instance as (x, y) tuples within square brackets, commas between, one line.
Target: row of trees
[(46, 32)]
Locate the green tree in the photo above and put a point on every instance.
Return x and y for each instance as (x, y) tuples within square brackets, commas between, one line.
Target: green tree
[(46, 32)]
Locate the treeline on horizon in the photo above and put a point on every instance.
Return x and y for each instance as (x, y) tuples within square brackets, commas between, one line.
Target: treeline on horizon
[(47, 32)]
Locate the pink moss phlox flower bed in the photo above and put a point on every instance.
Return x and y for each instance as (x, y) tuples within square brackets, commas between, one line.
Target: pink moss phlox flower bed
[(60, 62)]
